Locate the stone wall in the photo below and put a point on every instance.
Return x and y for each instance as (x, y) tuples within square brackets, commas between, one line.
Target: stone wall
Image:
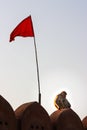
[(32, 116)]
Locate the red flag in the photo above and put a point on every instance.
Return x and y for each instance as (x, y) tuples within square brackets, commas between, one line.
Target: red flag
[(24, 29)]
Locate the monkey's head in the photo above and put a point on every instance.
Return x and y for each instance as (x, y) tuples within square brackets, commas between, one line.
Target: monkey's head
[(63, 93)]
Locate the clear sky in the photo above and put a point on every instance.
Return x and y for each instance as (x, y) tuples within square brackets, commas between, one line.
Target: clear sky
[(60, 28)]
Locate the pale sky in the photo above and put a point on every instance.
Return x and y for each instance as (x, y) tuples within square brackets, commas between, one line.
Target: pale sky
[(60, 28)]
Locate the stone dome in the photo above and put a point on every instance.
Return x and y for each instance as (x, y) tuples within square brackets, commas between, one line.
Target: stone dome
[(32, 116), (66, 119), (84, 122), (7, 116)]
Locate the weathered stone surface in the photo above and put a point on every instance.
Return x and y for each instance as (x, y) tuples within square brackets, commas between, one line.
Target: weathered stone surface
[(32, 116), (84, 122), (66, 119), (7, 116)]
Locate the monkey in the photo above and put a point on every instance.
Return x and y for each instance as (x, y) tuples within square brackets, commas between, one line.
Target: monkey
[(60, 101)]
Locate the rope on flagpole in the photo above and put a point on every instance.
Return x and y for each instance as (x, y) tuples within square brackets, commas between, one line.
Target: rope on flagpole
[(39, 96)]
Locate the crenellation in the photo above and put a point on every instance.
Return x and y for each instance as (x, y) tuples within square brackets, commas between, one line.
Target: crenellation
[(33, 116)]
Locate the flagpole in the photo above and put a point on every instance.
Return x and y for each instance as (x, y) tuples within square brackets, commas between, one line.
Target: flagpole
[(25, 29), (38, 78)]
